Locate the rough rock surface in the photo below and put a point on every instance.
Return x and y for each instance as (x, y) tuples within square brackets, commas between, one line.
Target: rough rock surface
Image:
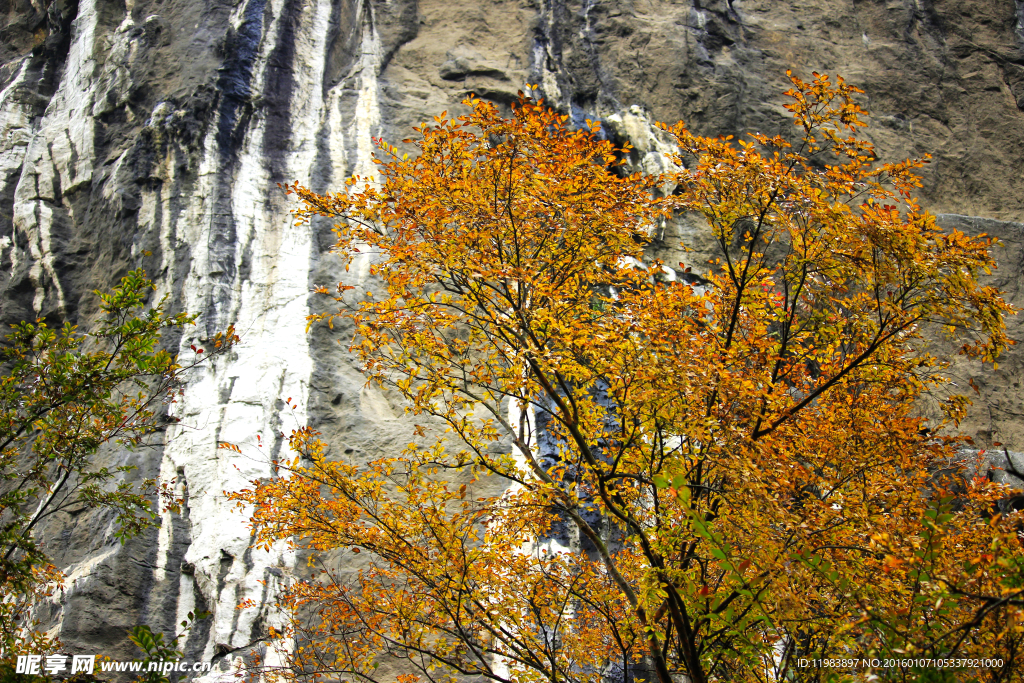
[(153, 133)]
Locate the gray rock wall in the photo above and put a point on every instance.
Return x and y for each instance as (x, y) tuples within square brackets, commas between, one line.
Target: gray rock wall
[(153, 133)]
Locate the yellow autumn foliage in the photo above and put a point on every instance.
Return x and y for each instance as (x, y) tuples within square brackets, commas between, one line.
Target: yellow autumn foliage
[(702, 480)]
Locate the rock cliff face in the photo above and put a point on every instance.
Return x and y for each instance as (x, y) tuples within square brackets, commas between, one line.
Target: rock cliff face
[(153, 133)]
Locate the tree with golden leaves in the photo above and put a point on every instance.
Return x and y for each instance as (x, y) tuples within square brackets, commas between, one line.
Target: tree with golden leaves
[(644, 476)]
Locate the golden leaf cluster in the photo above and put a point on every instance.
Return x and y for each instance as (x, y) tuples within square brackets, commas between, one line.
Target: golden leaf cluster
[(643, 474)]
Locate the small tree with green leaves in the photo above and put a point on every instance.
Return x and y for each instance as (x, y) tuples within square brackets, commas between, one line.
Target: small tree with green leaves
[(63, 395), (157, 651)]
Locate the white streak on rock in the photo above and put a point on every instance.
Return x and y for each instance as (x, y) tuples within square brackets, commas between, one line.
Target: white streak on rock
[(59, 157), (240, 395), (367, 118)]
